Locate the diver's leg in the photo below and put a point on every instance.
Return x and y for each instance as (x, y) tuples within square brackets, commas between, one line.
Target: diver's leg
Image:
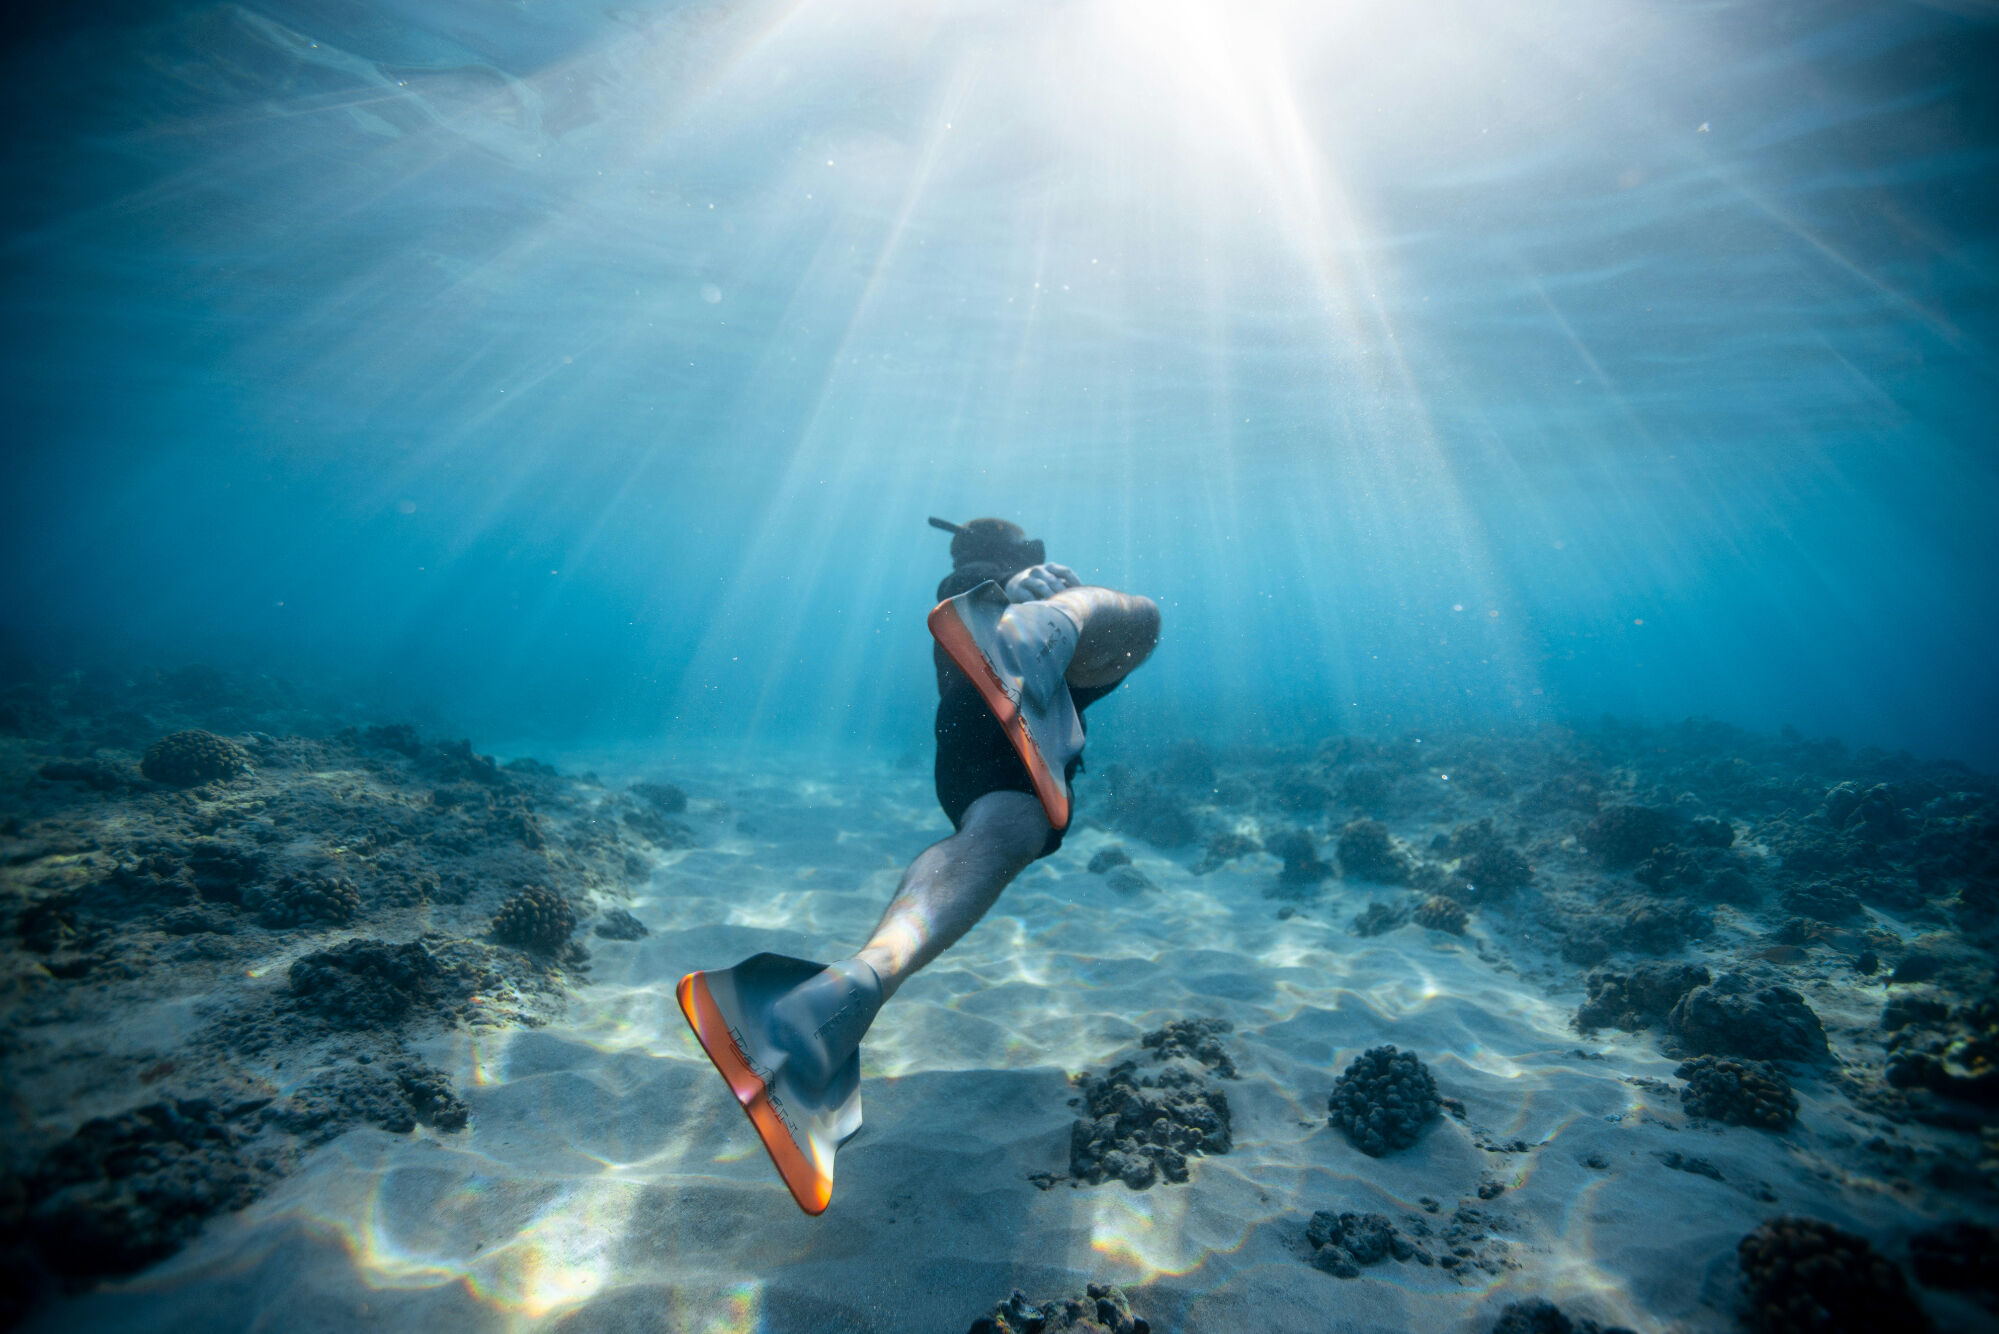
[(951, 884), (1117, 632), (943, 894)]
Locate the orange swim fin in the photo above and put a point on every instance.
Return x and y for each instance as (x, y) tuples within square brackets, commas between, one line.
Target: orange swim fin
[(1017, 663), (785, 1035)]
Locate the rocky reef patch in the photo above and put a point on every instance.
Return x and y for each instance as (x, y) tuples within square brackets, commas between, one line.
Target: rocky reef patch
[(331, 894)]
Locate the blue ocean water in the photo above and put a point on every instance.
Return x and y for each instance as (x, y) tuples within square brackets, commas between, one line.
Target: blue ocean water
[(588, 374)]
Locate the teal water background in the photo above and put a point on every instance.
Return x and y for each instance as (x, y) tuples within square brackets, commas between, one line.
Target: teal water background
[(581, 374)]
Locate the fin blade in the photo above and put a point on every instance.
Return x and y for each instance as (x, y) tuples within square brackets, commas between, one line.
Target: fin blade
[(959, 640), (803, 1158)]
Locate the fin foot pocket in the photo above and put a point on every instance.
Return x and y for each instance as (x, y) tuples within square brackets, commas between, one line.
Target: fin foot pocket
[(801, 1109)]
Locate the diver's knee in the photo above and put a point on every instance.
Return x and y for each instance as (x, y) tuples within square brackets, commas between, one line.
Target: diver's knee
[(1010, 823)]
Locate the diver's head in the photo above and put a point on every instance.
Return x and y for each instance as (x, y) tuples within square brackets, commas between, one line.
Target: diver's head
[(992, 542)]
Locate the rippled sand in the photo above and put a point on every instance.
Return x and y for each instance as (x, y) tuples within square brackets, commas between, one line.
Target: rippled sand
[(608, 1182)]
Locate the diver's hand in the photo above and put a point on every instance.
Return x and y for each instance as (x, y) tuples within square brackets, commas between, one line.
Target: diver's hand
[(1041, 581)]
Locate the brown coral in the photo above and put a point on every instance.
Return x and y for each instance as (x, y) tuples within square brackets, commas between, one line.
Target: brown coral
[(1803, 1275), (298, 899), (1443, 914), (191, 758), (1738, 1092), (537, 918)]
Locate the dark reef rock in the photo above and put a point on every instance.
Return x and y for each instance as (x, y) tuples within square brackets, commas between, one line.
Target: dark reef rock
[(1642, 926), (194, 921), (665, 834), (1378, 919), (1917, 966), (665, 798), (1737, 1092), (126, 1190), (537, 918), (296, 900), (1731, 1016), (1801, 931), (1823, 902), (1442, 913), (1709, 832), (1544, 1317), (398, 737), (1384, 1100), (1623, 836), (1142, 809), (1197, 1040), (1873, 813), (1300, 795), (1488, 867), (1959, 1257), (1344, 1244), (621, 925), (398, 1096), (1128, 880), (366, 983), (1107, 857), (1224, 848), (1367, 852), (1189, 764), (1137, 1128), (1801, 1276), (1368, 789), (1300, 851), (1103, 1309), (1668, 870), (95, 774), (1681, 1162), (191, 758), (1636, 998), (1919, 1069)]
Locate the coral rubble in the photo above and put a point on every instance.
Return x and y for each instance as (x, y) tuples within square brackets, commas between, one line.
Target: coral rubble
[(1102, 1309), (1138, 1127), (125, 1190), (1544, 1317), (1343, 1244), (365, 983)]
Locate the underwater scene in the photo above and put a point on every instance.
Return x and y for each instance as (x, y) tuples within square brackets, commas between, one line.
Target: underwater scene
[(1013, 666)]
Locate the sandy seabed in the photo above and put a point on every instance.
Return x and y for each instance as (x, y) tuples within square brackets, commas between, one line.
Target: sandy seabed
[(606, 1180)]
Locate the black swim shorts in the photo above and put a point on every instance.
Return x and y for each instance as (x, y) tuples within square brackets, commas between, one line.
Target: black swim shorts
[(974, 756)]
